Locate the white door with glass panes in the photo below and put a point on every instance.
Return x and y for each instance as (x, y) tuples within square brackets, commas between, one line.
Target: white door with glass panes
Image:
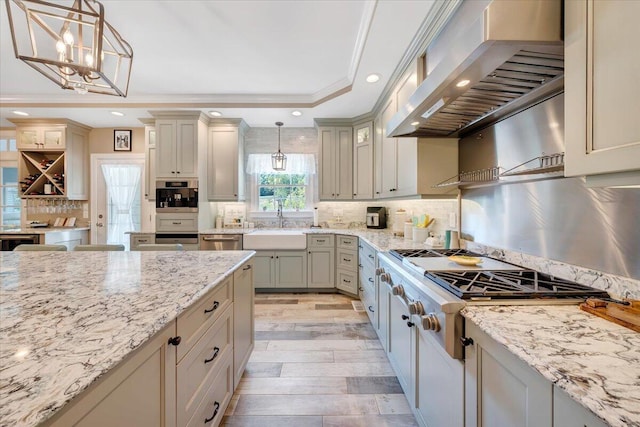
[(117, 197)]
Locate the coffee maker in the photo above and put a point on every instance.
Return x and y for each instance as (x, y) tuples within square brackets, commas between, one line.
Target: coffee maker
[(376, 217)]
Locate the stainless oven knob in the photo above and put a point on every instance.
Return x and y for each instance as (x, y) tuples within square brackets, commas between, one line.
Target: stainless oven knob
[(416, 308), (398, 290), (430, 322), (385, 277), (379, 271)]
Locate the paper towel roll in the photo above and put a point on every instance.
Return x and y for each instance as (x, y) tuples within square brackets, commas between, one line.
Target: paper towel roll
[(315, 217)]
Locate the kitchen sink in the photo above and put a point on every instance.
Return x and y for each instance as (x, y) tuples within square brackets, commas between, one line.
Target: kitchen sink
[(275, 240)]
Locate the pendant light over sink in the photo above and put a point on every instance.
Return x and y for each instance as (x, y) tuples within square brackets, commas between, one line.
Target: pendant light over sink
[(279, 160)]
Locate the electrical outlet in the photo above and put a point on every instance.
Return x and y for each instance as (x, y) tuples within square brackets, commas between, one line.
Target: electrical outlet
[(453, 221)]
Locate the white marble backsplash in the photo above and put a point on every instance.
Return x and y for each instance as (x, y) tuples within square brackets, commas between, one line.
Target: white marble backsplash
[(617, 286)]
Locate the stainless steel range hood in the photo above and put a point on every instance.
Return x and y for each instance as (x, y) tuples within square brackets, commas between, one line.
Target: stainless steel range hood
[(511, 55)]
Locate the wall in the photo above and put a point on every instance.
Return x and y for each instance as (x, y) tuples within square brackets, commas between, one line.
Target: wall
[(548, 216), (101, 141)]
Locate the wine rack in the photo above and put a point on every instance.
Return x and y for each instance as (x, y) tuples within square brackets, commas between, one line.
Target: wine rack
[(42, 174)]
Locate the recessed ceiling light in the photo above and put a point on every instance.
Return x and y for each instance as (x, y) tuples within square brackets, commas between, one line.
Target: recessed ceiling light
[(20, 113), (372, 78), (296, 113), (415, 123), (117, 113), (462, 83), (215, 113)]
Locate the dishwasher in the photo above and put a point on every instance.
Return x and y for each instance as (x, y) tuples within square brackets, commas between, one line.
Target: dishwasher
[(220, 242)]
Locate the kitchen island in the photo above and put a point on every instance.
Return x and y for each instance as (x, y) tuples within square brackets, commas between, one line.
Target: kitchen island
[(68, 318)]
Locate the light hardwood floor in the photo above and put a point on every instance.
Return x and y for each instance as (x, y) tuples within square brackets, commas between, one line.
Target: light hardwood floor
[(317, 362)]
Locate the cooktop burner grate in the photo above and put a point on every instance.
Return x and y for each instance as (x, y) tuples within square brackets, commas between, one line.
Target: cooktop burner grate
[(510, 284), (422, 253)]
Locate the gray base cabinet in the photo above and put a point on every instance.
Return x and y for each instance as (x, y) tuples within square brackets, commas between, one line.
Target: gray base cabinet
[(500, 389), (569, 413), (368, 287), (347, 264), (280, 269), (321, 261), (243, 320)]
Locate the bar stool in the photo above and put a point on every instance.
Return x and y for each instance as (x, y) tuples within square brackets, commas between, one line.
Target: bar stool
[(40, 248), (161, 247), (99, 248)]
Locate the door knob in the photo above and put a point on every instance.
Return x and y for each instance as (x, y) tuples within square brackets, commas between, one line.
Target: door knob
[(99, 224)]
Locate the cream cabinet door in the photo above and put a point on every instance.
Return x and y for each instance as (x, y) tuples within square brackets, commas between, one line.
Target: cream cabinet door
[(363, 161), (388, 155), (602, 60), (243, 319), (141, 391), (150, 163), (569, 413), (344, 163), (500, 389), (321, 268), (222, 165), (166, 148), (187, 149), (291, 269)]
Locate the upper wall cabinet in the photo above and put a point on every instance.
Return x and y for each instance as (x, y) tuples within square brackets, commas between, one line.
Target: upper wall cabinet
[(176, 148), (336, 163), (363, 161), (149, 159), (225, 162), (602, 60), (410, 166), (54, 159)]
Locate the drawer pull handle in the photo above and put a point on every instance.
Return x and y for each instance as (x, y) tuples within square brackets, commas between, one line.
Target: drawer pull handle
[(175, 340), (371, 309), (212, 309), (216, 350), (370, 256), (248, 267), (346, 281), (370, 279), (346, 260), (320, 241), (176, 223), (216, 408)]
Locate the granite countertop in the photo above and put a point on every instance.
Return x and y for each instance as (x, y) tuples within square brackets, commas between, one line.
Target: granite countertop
[(595, 361), (381, 239), (66, 318), (40, 230)]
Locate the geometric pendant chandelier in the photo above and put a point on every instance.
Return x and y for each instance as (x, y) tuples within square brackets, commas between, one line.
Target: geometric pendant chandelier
[(73, 45)]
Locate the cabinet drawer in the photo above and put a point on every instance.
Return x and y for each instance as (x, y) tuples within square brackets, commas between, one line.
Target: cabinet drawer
[(367, 253), (320, 241), (347, 281), (216, 398), (177, 224), (199, 367), (347, 259), (194, 322), (348, 242), (146, 239)]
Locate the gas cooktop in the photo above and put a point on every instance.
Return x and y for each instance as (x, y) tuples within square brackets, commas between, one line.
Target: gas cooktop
[(493, 279), (510, 284), (421, 253)]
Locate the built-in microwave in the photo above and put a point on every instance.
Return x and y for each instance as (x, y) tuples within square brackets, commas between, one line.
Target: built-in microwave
[(177, 196)]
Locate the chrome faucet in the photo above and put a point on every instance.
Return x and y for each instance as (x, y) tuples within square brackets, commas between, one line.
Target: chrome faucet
[(279, 214)]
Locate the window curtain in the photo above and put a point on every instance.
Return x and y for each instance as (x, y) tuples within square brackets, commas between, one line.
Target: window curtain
[(296, 163), (122, 183)]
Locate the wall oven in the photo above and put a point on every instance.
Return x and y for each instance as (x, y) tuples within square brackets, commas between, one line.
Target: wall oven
[(177, 196)]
